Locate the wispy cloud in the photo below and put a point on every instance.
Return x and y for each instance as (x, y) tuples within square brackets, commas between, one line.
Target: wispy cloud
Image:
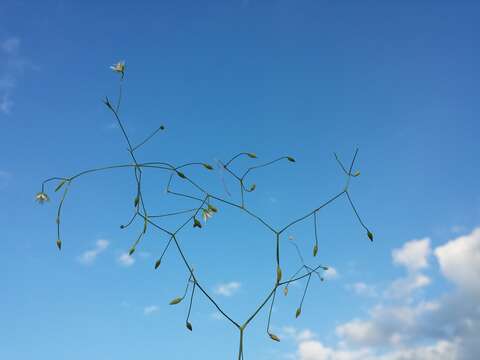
[(12, 67), (89, 256), (363, 289), (149, 310), (125, 260), (5, 177), (227, 289)]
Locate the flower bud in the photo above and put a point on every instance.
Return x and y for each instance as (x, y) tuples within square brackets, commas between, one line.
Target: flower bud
[(370, 235), (298, 312), (279, 274), (274, 337), (176, 301), (197, 223)]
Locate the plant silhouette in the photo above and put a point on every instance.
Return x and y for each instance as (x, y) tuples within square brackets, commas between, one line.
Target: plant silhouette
[(204, 207)]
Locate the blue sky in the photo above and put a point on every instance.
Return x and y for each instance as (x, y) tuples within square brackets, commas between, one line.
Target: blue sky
[(299, 78)]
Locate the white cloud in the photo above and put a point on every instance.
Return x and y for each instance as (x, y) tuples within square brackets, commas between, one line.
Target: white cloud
[(331, 273), (149, 310), (89, 256), (5, 103), (441, 350), (12, 66), (125, 260), (404, 287), (414, 327), (227, 289), (413, 255), (459, 261), (361, 288), (297, 335)]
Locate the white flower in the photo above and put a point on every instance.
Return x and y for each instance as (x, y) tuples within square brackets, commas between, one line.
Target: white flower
[(119, 67), (207, 214), (41, 197)]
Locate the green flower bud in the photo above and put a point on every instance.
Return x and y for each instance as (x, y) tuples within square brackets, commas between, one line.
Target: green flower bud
[(291, 159), (298, 312), (182, 175), (274, 337), (207, 166), (315, 250), (212, 208), (279, 274), (176, 301), (252, 155), (132, 250), (197, 223), (59, 244), (157, 263), (189, 326), (370, 235)]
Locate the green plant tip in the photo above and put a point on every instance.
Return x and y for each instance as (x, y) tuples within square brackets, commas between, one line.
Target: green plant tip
[(176, 301), (274, 337), (370, 235), (298, 312), (197, 223)]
